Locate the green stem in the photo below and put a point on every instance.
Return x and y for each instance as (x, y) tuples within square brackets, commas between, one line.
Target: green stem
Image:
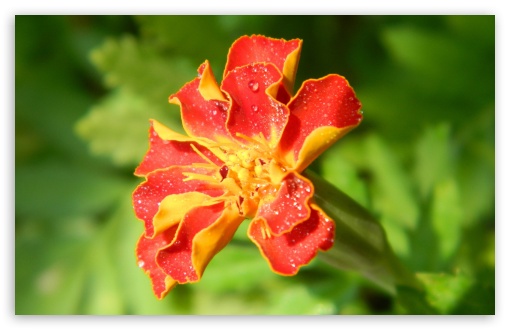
[(360, 241)]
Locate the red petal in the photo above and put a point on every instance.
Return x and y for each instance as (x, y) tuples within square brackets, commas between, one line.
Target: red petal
[(165, 153), (253, 110), (159, 184), (203, 232), (327, 102), (288, 252), (259, 49), (290, 206), (201, 117), (146, 251)]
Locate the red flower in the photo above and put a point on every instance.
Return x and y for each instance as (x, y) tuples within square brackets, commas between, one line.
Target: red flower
[(248, 141)]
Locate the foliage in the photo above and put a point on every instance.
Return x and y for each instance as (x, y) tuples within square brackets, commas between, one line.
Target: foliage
[(422, 161)]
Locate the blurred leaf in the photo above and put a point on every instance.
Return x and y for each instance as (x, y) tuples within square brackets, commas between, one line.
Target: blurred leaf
[(444, 291), (136, 291), (103, 292), (189, 35), (343, 175), (141, 69), (434, 158), (360, 241), (477, 175), (237, 268), (392, 192), (429, 54), (143, 79), (118, 127), (478, 29), (297, 300), (447, 217), (397, 236), (54, 189), (49, 278)]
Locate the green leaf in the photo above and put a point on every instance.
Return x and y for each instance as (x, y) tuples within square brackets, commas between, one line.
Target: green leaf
[(102, 295), (447, 217), (342, 174), (397, 236), (392, 194), (445, 291), (118, 127), (141, 69), (478, 159), (237, 268), (54, 189), (49, 277), (429, 54), (176, 34), (360, 241), (298, 300), (434, 158)]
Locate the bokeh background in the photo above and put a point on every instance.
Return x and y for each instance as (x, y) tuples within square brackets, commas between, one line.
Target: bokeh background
[(422, 161)]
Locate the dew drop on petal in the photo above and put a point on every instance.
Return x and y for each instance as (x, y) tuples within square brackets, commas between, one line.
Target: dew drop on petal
[(254, 108), (141, 263), (253, 85)]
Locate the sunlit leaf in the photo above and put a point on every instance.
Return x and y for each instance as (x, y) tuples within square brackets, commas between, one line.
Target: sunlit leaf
[(392, 195), (118, 127), (434, 158), (447, 217), (445, 291), (141, 69), (343, 175)]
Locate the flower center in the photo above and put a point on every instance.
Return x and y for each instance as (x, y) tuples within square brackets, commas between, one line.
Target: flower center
[(251, 172), (247, 174)]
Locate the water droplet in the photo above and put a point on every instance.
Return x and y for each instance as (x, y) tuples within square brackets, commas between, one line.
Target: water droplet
[(214, 112), (254, 108), (141, 263), (253, 85)]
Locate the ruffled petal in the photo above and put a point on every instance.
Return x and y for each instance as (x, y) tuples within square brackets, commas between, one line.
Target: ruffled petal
[(322, 111), (203, 232), (162, 183), (173, 208), (146, 251), (254, 110), (288, 252), (202, 117), (164, 153), (256, 48), (290, 205)]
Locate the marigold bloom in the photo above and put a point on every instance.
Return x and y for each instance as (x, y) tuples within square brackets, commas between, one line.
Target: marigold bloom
[(247, 142)]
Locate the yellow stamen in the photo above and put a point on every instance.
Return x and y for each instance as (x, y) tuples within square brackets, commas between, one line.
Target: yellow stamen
[(204, 157), (202, 177)]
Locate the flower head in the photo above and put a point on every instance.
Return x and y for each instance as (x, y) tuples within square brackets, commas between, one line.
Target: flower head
[(247, 142)]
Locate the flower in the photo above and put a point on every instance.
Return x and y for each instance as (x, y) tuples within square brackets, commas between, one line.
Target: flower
[(247, 142)]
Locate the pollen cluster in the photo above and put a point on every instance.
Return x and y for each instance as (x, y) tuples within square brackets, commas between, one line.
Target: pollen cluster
[(247, 174)]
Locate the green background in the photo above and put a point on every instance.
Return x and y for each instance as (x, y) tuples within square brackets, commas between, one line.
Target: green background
[(422, 161)]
